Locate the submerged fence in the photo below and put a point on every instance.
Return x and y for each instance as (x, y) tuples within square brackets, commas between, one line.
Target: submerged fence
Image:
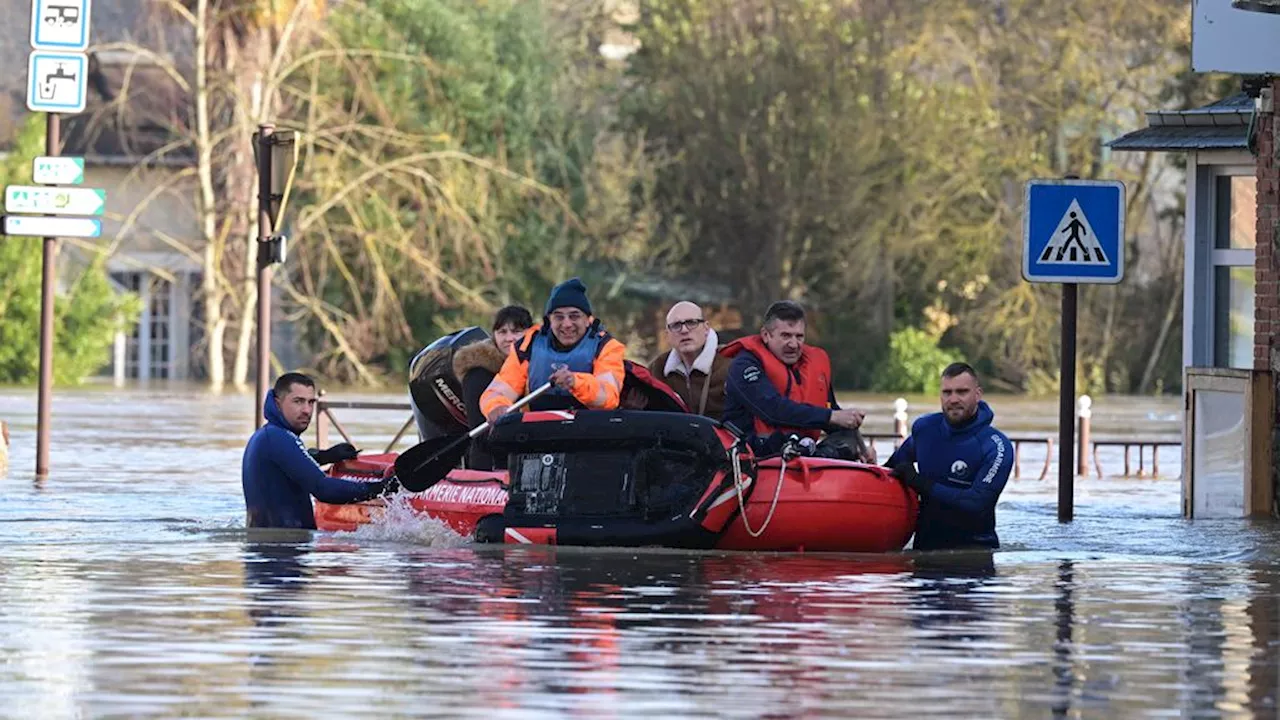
[(1142, 452), (1133, 449)]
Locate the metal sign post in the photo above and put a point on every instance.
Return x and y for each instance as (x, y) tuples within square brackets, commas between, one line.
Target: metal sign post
[(1066, 406), (265, 132), (1072, 232), (47, 281), (277, 158), (56, 83)]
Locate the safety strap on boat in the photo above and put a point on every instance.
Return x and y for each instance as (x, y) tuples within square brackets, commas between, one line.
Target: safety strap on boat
[(742, 503)]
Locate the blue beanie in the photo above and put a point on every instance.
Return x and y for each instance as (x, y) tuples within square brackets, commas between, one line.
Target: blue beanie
[(570, 293)]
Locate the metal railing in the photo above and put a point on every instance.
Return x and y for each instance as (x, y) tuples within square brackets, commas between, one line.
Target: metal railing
[(1140, 445), (1087, 452), (325, 417)]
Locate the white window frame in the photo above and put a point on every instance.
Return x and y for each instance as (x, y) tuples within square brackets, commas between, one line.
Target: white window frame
[(1203, 258)]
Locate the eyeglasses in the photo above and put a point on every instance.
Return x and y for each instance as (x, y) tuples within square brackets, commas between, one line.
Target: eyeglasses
[(679, 325)]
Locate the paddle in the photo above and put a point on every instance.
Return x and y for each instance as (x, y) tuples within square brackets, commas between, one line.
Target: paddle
[(426, 463)]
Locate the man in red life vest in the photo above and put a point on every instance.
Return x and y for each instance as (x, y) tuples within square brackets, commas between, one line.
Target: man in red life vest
[(778, 387)]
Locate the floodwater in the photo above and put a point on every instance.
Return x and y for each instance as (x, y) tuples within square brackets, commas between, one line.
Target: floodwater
[(130, 588)]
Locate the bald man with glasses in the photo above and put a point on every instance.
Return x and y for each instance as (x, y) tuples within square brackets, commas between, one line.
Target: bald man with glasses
[(693, 367)]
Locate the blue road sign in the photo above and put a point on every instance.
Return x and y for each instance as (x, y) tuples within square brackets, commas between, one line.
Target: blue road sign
[(1073, 231)]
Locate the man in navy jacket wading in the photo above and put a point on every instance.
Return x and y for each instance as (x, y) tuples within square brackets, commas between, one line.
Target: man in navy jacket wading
[(963, 462), (279, 475)]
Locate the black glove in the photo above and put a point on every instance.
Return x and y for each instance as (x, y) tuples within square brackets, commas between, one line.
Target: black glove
[(341, 451), (390, 486), (906, 472)]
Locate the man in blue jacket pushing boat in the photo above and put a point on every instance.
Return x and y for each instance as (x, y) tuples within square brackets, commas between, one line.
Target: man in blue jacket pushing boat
[(963, 462), (279, 475)]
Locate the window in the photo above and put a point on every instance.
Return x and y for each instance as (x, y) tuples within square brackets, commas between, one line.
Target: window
[(161, 290), (1237, 211), (1232, 258), (130, 282), (148, 353), (1233, 316)]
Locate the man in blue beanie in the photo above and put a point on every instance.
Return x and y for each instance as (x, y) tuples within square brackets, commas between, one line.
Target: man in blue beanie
[(571, 350)]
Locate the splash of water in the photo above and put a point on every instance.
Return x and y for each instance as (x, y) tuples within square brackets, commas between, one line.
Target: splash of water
[(399, 522)]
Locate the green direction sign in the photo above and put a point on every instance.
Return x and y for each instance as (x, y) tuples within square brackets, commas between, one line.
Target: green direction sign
[(58, 170), (54, 200)]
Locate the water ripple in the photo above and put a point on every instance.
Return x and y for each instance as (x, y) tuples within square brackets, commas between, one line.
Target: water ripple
[(130, 587)]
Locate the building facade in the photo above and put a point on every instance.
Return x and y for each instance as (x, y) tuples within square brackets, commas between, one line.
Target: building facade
[(1231, 305)]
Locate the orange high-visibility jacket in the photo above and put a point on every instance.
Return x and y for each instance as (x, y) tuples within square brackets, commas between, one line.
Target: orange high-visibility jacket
[(595, 388)]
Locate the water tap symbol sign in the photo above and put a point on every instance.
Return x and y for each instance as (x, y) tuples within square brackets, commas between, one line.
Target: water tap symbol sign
[(60, 25), (56, 82)]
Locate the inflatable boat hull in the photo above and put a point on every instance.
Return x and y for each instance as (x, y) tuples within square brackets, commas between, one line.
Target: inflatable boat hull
[(822, 505)]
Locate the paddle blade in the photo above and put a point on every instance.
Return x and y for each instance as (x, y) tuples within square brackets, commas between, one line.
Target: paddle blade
[(426, 463)]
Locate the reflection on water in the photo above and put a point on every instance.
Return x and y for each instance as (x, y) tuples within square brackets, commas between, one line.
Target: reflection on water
[(129, 587)]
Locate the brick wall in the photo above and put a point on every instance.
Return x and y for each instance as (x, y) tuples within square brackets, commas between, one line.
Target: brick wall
[(1266, 337), (1266, 346)]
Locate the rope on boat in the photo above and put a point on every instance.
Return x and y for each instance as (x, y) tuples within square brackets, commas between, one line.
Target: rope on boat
[(742, 503)]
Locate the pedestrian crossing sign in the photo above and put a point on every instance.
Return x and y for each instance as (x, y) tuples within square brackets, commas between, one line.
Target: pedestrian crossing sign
[(1073, 231)]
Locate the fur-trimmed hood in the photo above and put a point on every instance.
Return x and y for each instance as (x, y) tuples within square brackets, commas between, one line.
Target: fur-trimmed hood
[(483, 354)]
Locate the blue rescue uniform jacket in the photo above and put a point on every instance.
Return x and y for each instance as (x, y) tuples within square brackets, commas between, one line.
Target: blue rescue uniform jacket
[(279, 477), (969, 466)]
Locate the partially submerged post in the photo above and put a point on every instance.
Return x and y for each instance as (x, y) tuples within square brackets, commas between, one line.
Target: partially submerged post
[(263, 144), (4, 447), (277, 158), (900, 426), (1085, 413), (58, 82), (48, 280), (1073, 232)]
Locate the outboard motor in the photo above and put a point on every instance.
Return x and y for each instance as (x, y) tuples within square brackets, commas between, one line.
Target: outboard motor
[(434, 392)]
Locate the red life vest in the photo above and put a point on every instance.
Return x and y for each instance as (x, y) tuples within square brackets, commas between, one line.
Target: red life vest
[(658, 394), (808, 381)]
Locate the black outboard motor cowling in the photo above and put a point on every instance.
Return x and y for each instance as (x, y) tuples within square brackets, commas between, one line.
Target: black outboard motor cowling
[(434, 391), (610, 477)]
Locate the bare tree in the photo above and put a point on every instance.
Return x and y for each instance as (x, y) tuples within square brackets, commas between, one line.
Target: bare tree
[(388, 212)]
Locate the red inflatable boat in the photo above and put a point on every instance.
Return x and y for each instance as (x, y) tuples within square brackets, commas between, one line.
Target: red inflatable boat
[(646, 478)]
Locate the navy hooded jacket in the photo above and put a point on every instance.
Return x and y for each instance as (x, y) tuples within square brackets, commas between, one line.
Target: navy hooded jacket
[(279, 477), (969, 466)]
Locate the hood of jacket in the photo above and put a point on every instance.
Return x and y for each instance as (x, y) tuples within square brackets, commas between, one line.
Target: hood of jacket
[(980, 421), (274, 415), (483, 354)]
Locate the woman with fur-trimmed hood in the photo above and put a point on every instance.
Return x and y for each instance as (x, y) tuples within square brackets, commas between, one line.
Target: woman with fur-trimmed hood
[(475, 366)]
